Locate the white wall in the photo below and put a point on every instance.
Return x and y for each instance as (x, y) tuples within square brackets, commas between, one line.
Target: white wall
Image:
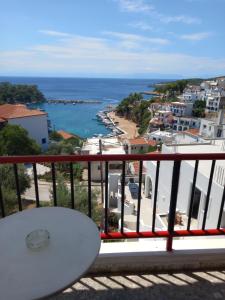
[(184, 192), (36, 126)]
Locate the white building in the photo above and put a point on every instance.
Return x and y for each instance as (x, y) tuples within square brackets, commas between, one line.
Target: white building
[(186, 181), (108, 146), (213, 101), (181, 109), (162, 118), (160, 136), (34, 121), (212, 129), (138, 145), (185, 123)]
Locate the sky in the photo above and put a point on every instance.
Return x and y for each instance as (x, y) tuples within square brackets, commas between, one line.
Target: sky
[(112, 38)]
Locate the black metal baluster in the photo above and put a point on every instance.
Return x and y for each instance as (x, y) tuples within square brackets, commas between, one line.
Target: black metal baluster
[(122, 195), (208, 194), (221, 209), (36, 185), (17, 187), (139, 196), (2, 207), (192, 195), (155, 195), (106, 196), (89, 190), (54, 185), (72, 185), (173, 203)]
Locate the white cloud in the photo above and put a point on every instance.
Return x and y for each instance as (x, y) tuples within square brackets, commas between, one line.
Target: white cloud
[(141, 6), (76, 55), (55, 33), (141, 25), (180, 19), (134, 38), (196, 36), (134, 5)]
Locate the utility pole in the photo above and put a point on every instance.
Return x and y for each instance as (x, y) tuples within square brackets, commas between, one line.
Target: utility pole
[(101, 171)]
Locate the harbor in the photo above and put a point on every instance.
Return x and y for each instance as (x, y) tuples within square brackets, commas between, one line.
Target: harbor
[(73, 101), (104, 118)]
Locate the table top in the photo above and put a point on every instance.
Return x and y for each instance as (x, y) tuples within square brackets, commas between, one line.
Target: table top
[(26, 274)]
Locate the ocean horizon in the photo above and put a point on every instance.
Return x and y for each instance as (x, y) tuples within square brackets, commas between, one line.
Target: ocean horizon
[(80, 119)]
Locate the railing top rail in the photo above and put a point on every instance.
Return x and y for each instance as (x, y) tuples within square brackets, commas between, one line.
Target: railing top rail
[(113, 157)]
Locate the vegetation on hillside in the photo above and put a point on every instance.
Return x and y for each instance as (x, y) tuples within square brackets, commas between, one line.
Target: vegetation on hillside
[(199, 109), (81, 202), (135, 108), (14, 140), (60, 146), (8, 186), (172, 88), (19, 93)]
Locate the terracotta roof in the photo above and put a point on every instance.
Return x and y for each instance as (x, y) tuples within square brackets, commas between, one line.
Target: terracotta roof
[(194, 131), (12, 111), (2, 120), (142, 141), (65, 135)]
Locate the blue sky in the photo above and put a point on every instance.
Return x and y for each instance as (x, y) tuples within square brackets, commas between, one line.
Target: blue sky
[(112, 38)]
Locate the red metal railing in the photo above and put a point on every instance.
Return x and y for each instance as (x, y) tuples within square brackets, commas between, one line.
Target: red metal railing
[(176, 158)]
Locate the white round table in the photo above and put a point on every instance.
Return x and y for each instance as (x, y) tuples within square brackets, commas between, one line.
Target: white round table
[(27, 274)]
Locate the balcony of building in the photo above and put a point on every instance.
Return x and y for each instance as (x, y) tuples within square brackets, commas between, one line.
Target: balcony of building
[(145, 253)]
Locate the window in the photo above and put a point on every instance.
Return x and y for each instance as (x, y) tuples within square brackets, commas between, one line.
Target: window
[(219, 132), (43, 141), (209, 128)]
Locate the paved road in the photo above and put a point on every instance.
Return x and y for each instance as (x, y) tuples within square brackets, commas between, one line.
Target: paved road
[(44, 192)]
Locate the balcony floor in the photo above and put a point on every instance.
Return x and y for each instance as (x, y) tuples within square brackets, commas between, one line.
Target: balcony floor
[(207, 285)]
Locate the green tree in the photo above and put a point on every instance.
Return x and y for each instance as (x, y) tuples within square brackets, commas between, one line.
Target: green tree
[(8, 186), (55, 136), (81, 202), (126, 105), (22, 93), (199, 109), (136, 109), (14, 140)]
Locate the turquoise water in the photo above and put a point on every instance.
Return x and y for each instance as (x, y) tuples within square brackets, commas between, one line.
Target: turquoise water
[(80, 118)]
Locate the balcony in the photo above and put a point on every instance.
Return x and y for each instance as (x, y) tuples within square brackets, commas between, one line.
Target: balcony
[(155, 244)]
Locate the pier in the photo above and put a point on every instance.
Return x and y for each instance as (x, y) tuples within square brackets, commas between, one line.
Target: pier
[(73, 101)]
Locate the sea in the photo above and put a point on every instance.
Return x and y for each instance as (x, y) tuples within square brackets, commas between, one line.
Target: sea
[(81, 119)]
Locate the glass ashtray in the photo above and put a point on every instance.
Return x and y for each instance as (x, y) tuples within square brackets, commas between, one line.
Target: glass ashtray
[(37, 239)]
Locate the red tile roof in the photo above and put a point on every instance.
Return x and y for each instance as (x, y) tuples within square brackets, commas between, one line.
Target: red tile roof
[(13, 111), (194, 131), (142, 141), (2, 120), (65, 135)]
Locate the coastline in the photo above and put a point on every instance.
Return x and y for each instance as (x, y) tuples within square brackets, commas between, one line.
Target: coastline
[(128, 127)]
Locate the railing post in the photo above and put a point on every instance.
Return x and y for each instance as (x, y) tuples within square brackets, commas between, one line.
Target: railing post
[(89, 190), (36, 185), (2, 203), (173, 204)]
